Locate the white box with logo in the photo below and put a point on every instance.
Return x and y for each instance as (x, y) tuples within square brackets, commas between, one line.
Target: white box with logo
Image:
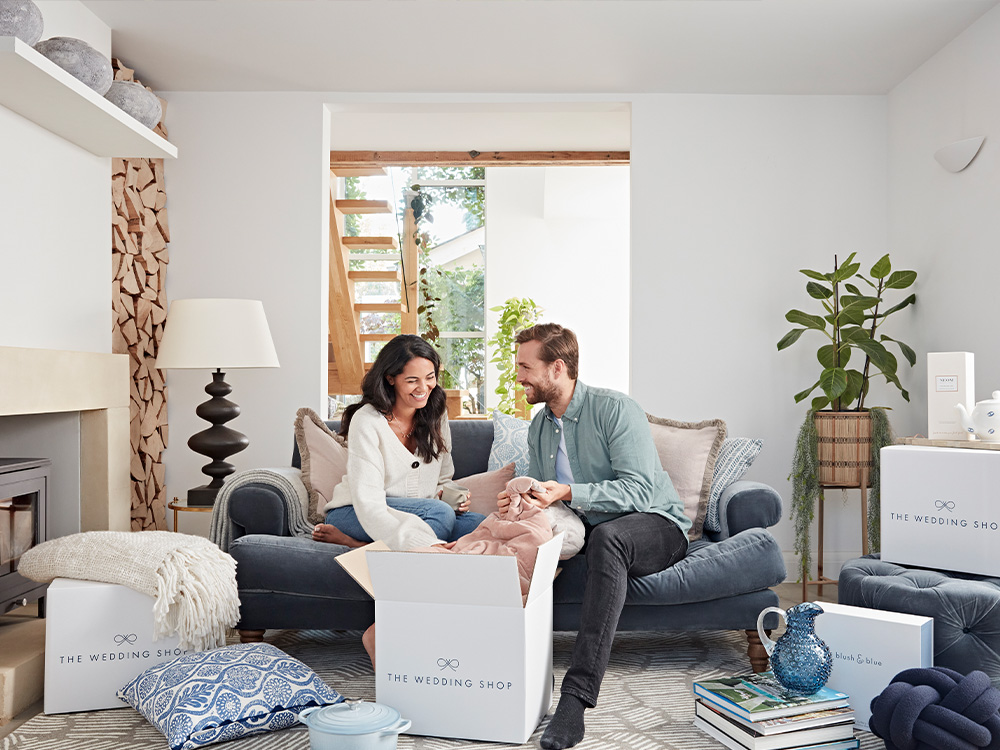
[(870, 647), (98, 636), (950, 381), (457, 652), (940, 509)]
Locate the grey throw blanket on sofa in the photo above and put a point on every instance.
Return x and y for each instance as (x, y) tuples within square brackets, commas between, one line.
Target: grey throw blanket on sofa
[(287, 482)]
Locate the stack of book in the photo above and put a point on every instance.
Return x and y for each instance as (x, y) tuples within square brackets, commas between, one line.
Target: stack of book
[(755, 712)]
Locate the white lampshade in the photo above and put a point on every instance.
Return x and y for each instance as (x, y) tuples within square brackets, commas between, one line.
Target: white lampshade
[(216, 334)]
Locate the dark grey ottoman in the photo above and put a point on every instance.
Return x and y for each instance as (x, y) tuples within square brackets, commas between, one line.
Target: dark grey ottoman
[(965, 608)]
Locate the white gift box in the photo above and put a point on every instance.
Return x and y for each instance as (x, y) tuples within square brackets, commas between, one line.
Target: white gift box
[(98, 636), (870, 647), (457, 652), (939, 508), (950, 381)]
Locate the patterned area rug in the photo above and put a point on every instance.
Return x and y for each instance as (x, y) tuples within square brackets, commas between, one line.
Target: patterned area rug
[(646, 700)]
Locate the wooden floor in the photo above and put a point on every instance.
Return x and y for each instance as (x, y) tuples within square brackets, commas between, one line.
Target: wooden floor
[(791, 593)]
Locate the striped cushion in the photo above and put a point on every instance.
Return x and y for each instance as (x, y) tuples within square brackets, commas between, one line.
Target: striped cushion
[(734, 459)]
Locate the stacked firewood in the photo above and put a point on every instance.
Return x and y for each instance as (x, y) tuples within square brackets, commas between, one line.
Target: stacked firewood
[(139, 257)]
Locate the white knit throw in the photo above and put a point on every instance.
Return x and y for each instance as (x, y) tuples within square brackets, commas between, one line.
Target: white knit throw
[(288, 483), (192, 582)]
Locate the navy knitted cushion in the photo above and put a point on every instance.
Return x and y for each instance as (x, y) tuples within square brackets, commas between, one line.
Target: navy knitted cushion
[(937, 708)]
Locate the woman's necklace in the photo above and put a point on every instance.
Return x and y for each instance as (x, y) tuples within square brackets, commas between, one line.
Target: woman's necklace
[(398, 428)]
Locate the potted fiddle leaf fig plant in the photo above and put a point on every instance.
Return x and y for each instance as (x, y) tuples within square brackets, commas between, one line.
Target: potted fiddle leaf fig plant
[(839, 442)]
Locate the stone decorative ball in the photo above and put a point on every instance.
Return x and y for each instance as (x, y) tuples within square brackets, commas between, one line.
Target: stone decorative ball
[(937, 708), (21, 18), (80, 60), (137, 101)]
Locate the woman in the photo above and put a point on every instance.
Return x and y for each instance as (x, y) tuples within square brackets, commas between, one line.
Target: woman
[(398, 457)]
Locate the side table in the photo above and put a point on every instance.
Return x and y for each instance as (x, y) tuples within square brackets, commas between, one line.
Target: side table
[(181, 506)]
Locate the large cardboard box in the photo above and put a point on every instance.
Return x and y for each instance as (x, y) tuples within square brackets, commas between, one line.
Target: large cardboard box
[(950, 381), (940, 509), (870, 647), (98, 636), (456, 650)]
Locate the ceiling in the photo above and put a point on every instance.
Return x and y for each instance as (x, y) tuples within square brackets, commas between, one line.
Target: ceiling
[(533, 46)]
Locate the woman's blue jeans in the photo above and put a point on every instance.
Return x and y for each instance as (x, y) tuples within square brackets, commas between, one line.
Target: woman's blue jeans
[(446, 523)]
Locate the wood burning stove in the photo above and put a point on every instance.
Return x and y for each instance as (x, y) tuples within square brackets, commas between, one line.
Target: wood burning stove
[(23, 484)]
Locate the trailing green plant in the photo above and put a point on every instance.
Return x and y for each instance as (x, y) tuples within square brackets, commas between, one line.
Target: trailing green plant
[(851, 323), (807, 491), (516, 314)]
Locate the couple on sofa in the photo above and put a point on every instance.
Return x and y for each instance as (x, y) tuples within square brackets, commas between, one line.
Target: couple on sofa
[(589, 447)]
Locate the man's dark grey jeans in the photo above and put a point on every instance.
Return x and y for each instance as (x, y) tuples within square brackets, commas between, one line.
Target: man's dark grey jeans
[(637, 544)]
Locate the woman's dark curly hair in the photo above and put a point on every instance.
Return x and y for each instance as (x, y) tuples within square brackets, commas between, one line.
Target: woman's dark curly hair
[(376, 390)]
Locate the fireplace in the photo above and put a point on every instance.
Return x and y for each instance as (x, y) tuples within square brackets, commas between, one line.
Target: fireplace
[(23, 485)]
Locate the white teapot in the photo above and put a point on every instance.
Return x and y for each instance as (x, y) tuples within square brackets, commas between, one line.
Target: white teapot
[(984, 421)]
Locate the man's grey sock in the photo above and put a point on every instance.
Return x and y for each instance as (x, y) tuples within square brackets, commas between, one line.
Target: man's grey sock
[(566, 726)]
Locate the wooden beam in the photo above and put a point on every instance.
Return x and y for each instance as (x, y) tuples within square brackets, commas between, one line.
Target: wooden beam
[(378, 307), (396, 275), (408, 322), (343, 322), (355, 206), (340, 159), (370, 243), (359, 172)]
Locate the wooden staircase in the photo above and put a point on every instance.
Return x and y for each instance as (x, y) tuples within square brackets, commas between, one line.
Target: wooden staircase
[(346, 361)]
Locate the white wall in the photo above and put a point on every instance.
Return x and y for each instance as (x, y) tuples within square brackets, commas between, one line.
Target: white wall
[(560, 235), (56, 218), (55, 265), (248, 204), (731, 195), (950, 222)]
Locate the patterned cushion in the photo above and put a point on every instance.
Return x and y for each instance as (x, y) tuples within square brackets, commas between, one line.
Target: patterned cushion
[(510, 443), (213, 696), (734, 459)]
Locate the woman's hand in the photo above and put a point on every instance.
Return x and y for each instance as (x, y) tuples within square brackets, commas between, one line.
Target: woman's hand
[(463, 507)]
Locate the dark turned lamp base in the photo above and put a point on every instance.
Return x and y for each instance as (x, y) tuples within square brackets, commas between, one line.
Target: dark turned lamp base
[(217, 442), (202, 497)]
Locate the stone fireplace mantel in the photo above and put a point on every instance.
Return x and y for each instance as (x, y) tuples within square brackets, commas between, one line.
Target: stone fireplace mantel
[(45, 381)]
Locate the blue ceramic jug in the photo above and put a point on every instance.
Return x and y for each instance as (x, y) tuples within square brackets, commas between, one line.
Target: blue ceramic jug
[(800, 660)]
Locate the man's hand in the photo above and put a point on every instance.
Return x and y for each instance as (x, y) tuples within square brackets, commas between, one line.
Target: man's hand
[(551, 492), (503, 500)]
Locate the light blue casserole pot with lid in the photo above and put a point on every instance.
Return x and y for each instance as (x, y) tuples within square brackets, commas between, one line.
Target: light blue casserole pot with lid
[(353, 725)]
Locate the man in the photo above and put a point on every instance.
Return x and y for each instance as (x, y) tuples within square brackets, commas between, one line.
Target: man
[(592, 449)]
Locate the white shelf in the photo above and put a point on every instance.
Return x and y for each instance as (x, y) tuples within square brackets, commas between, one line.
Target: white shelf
[(36, 88)]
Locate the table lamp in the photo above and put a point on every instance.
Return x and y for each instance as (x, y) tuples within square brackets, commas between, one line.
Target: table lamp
[(216, 334)]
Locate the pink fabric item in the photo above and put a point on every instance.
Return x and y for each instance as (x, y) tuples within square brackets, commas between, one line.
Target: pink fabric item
[(516, 531)]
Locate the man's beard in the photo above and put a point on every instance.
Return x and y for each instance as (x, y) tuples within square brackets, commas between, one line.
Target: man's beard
[(541, 393)]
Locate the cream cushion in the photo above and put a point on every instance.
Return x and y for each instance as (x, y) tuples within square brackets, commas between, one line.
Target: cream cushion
[(688, 451), (486, 486), (324, 460)]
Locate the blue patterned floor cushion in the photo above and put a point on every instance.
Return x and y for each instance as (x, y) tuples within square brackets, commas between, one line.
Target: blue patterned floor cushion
[(236, 691), (510, 443)]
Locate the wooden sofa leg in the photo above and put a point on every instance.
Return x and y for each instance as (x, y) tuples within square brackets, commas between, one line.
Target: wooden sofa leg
[(755, 650), (257, 636)]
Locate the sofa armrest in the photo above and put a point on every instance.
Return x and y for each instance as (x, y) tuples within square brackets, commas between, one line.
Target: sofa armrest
[(257, 509), (747, 505)]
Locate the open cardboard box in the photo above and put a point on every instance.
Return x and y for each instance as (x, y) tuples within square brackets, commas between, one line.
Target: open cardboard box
[(457, 652)]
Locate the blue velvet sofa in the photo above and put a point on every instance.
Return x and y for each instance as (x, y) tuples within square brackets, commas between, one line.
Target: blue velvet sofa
[(722, 584)]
